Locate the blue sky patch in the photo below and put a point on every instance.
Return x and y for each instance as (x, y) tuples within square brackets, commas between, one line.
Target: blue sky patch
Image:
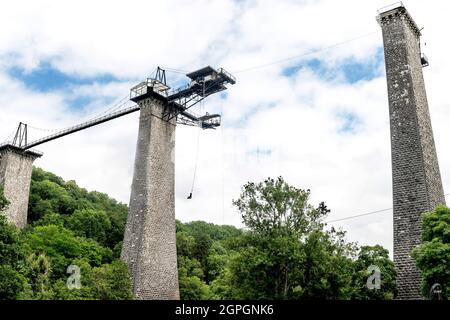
[(355, 71), (80, 102), (349, 122), (46, 78), (314, 64), (350, 69)]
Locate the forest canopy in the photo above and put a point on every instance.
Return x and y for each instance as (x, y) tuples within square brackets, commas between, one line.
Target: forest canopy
[(285, 251)]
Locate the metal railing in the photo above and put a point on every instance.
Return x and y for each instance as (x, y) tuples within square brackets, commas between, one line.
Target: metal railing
[(138, 90), (226, 73), (81, 126), (142, 88)]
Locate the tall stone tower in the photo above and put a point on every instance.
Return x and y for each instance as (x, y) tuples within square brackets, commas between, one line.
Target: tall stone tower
[(417, 185), (149, 245), (16, 167)]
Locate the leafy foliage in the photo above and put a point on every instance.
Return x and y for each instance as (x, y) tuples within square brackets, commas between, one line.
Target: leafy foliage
[(273, 207), (88, 214), (90, 223), (286, 250), (288, 254), (12, 283), (69, 226), (3, 201), (433, 256), (12, 266), (112, 281), (379, 257)]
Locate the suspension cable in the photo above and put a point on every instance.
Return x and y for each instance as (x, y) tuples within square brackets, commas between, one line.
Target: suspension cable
[(367, 214), (268, 64), (175, 70)]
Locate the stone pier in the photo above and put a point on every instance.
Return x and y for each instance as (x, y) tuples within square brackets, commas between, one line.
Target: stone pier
[(16, 167), (149, 246), (417, 185)]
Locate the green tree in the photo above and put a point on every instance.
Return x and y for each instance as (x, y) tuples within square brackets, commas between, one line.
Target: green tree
[(273, 207), (47, 197), (90, 223), (117, 214), (217, 258), (12, 283), (374, 256), (195, 240), (328, 266), (39, 277), (185, 244), (287, 253), (221, 287), (433, 256), (190, 274), (111, 281), (85, 292), (69, 226), (50, 219), (202, 250), (255, 274), (51, 197), (12, 266), (3, 201), (12, 250), (192, 287), (61, 246)]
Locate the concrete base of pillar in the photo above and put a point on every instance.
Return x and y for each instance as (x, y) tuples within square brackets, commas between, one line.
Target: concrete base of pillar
[(16, 167), (149, 246)]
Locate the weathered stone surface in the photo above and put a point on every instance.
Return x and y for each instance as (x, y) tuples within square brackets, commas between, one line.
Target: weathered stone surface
[(16, 167), (149, 245), (417, 185)]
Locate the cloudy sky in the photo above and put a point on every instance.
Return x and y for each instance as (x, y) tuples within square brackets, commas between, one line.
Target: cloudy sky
[(318, 117)]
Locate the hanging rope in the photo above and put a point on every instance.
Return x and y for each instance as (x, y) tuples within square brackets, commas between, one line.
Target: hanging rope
[(195, 164), (223, 167), (198, 148)]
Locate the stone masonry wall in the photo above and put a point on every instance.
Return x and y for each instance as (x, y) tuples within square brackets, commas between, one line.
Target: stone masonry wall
[(149, 245), (15, 177), (417, 186)]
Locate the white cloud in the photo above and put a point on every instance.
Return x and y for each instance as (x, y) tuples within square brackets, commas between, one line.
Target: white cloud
[(296, 118)]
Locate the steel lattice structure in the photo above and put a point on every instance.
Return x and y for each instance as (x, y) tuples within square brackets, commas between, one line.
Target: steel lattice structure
[(204, 82)]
